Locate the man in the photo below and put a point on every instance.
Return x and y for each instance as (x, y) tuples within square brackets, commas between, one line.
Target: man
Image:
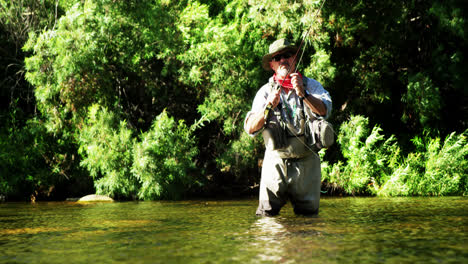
[(283, 111)]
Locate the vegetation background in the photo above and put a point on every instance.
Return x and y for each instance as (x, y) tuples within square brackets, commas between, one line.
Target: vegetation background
[(146, 99)]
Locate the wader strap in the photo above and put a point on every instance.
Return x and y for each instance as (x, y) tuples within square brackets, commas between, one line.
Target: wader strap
[(304, 82)]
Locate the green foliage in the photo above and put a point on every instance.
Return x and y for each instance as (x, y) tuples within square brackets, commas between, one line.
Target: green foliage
[(423, 100), (242, 154), (222, 61), (321, 68), (157, 167), (67, 66), (105, 52), (111, 54), (19, 148), (106, 146), (365, 36), (370, 158), (20, 19), (404, 58), (32, 161), (163, 160), (375, 165), (441, 168), (401, 64)]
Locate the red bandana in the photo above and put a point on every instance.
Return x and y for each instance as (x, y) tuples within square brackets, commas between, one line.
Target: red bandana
[(285, 83)]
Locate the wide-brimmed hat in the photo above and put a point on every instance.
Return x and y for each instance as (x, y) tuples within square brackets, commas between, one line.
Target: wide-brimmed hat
[(279, 46)]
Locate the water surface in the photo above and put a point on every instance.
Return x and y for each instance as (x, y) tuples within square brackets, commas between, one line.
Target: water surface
[(347, 230)]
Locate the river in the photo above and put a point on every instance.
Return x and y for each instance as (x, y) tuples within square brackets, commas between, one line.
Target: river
[(347, 230)]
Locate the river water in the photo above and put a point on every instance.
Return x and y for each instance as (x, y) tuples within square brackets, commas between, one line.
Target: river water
[(347, 230)]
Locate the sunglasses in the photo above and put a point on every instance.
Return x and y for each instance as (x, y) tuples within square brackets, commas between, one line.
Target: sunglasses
[(285, 55)]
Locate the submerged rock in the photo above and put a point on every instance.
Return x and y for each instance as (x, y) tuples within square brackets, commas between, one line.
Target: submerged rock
[(95, 198)]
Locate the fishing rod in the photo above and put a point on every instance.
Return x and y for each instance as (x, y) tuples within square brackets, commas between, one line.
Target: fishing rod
[(269, 106), (307, 34)]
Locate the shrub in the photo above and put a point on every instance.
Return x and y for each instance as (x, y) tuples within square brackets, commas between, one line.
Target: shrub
[(23, 170), (163, 160), (369, 158), (437, 169), (106, 145)]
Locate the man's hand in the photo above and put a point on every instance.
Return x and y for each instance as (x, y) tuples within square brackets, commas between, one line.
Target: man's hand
[(256, 120), (315, 104), (297, 83), (274, 98)]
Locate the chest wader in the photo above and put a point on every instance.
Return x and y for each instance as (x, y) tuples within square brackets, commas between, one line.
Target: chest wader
[(291, 169)]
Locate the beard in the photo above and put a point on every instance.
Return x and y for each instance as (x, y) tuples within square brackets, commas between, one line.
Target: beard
[(282, 70)]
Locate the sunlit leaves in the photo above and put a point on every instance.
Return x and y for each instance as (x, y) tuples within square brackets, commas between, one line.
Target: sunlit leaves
[(375, 164), (106, 145), (439, 168), (163, 160), (370, 157), (401, 64)]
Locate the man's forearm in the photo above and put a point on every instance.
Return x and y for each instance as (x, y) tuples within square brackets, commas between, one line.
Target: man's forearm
[(255, 122), (316, 105)]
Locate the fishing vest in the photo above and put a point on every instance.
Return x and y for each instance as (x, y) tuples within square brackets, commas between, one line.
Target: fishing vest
[(295, 136)]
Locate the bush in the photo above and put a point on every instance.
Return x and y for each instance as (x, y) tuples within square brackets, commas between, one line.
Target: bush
[(106, 146), (33, 162), (369, 158), (163, 160), (375, 165), (423, 101), (23, 170), (436, 169)]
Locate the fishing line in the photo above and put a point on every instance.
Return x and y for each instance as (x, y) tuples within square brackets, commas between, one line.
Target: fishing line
[(269, 106), (300, 46), (305, 37)]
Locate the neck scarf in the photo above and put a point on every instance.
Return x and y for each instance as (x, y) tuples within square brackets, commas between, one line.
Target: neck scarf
[(285, 83)]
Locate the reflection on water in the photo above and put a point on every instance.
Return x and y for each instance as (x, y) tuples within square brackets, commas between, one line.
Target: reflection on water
[(347, 230), (269, 236)]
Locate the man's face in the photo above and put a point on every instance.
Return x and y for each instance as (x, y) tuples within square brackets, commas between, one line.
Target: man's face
[(281, 62)]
